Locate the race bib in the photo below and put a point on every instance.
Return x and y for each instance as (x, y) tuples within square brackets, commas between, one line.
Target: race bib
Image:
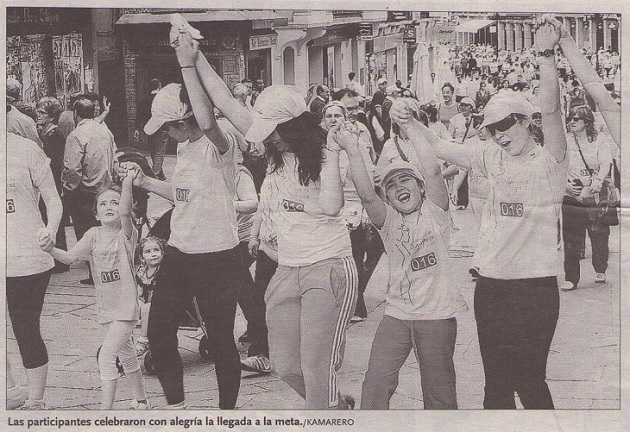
[(110, 276), (511, 209), (10, 206), (423, 262), (182, 194), (292, 206)]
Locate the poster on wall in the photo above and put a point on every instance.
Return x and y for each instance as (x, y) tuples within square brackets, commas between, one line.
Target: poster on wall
[(68, 59), (14, 69), (33, 67)]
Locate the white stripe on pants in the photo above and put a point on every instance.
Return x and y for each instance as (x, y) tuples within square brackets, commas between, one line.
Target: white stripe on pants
[(308, 311)]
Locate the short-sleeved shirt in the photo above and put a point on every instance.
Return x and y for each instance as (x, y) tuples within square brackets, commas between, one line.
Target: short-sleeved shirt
[(204, 184), (421, 285), (244, 220), (596, 154), (447, 112), (268, 233), (27, 169), (518, 236), (111, 258), (304, 237)]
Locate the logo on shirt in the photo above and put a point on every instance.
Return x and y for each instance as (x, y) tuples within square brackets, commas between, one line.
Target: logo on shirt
[(423, 262), (182, 194), (110, 276), (10, 206), (292, 206), (511, 209)]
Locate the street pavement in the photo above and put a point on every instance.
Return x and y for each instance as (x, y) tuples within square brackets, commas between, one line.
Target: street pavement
[(583, 368)]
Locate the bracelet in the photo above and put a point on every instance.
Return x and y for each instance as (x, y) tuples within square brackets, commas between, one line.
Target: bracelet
[(546, 53), (187, 67)]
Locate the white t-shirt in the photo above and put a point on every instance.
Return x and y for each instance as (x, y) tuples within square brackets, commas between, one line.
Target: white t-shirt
[(268, 233), (111, 258), (518, 237), (204, 218), (304, 237), (27, 169), (596, 154), (421, 285)]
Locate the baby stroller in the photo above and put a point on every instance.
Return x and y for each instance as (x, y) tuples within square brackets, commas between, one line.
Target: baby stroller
[(192, 319)]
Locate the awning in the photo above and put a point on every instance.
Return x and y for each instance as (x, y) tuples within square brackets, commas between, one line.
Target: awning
[(203, 16), (473, 26)]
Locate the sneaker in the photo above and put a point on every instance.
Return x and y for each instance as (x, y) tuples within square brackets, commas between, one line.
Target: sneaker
[(346, 402), (143, 405), (356, 319), (177, 406), (141, 348), (600, 277), (568, 286), (258, 363), (474, 272), (16, 396), (32, 405), (245, 338)]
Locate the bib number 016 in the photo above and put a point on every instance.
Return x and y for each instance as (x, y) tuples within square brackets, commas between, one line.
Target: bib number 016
[(425, 261), (512, 209), (110, 276)]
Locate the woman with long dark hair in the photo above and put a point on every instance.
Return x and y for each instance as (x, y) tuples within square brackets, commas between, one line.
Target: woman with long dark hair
[(590, 163)]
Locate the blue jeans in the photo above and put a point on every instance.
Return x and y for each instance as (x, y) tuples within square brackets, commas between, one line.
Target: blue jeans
[(433, 342), (516, 321)]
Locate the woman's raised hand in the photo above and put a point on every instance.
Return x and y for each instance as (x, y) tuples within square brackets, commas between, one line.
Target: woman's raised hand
[(550, 19), (186, 49), (547, 33), (133, 170), (400, 113), (345, 135)]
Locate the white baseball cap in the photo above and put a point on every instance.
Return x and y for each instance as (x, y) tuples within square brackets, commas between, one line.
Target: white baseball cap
[(381, 81), (397, 167), (167, 106), (276, 104), (502, 105)]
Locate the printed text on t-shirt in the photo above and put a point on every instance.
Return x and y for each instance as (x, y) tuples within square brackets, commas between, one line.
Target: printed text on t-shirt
[(292, 206), (511, 209), (425, 261), (182, 194), (110, 276), (10, 206)]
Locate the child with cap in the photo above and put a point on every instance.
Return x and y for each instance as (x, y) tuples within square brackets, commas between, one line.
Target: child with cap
[(422, 294), (516, 296)]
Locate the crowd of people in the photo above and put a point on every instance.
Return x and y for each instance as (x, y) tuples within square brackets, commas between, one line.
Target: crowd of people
[(529, 140)]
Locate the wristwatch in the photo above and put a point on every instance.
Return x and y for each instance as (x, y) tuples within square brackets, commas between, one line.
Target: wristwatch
[(546, 53)]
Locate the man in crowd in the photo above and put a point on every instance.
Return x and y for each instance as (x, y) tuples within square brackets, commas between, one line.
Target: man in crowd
[(87, 167), (18, 122), (320, 101)]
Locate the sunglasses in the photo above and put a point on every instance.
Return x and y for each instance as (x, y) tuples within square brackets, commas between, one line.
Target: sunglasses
[(503, 125), (575, 119)]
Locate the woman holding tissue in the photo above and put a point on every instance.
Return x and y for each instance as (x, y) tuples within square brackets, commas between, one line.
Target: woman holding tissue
[(201, 258), (28, 267)]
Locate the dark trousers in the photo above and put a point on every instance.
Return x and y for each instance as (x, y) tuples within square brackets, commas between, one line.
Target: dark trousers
[(212, 279), (370, 244), (251, 299), (516, 321), (80, 207), (25, 299), (576, 223)]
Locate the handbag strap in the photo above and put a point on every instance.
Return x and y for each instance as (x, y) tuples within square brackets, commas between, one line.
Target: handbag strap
[(402, 155), (582, 154)]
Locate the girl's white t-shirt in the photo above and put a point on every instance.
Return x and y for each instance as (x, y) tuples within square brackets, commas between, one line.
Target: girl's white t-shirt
[(306, 235), (204, 218), (111, 258), (421, 285), (27, 169), (518, 236)]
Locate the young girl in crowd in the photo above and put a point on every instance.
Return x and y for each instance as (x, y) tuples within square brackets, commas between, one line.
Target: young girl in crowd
[(422, 295), (110, 249), (150, 254)]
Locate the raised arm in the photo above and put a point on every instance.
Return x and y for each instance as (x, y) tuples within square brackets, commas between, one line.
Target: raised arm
[(546, 38), (126, 201), (585, 72), (428, 164), (187, 50), (372, 203), (156, 186), (446, 150)]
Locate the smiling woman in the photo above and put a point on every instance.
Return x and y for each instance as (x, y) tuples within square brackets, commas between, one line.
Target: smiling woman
[(516, 298)]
